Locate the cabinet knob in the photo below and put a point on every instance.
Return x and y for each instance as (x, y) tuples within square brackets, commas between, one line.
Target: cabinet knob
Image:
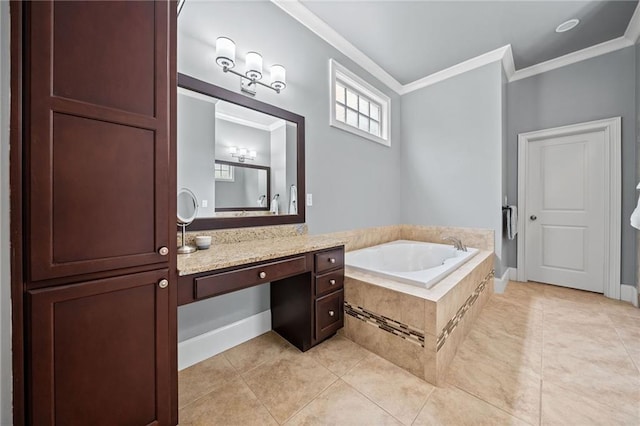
[(332, 260), (163, 283), (262, 275), (332, 282), (163, 251), (331, 313)]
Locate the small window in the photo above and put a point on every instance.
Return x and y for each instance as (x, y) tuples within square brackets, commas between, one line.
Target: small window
[(224, 172), (358, 107)]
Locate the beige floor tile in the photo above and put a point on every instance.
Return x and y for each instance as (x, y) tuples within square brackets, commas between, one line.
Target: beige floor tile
[(392, 388), (263, 348), (202, 378), (505, 385), (452, 406), (340, 404), (500, 316), (233, 405), (338, 354), (617, 307), (629, 333), (288, 383), (563, 406), (553, 292), (529, 295), (521, 353)]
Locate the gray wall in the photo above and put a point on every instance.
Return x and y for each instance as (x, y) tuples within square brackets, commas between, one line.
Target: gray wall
[(230, 134), (597, 88), (452, 150), (343, 171), (5, 276), (196, 150), (248, 184)]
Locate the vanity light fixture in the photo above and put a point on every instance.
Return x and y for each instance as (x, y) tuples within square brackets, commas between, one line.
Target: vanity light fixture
[(226, 59), (242, 154)]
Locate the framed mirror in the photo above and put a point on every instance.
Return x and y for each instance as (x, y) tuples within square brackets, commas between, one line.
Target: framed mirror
[(242, 187), (242, 158)]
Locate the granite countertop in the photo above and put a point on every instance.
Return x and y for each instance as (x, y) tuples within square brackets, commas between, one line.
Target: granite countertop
[(220, 256)]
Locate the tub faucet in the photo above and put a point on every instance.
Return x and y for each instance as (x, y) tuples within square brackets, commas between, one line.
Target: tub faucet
[(458, 244)]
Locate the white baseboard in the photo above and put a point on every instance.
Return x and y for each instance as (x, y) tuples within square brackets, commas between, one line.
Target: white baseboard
[(213, 342), (513, 274), (629, 293), (500, 283)]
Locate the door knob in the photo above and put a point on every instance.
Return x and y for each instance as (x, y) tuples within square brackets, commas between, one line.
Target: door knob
[(332, 282), (332, 260), (533, 217), (163, 283), (262, 275), (331, 313), (163, 251)]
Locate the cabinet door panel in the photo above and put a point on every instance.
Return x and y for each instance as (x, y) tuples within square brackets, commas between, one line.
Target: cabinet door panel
[(100, 352), (97, 137)]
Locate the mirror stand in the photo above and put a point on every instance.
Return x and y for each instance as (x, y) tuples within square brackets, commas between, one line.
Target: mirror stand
[(185, 249), (187, 212)]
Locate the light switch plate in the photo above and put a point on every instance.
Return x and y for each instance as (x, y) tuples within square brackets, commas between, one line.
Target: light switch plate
[(309, 200)]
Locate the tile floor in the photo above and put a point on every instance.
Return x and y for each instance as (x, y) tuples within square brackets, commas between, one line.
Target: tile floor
[(538, 354)]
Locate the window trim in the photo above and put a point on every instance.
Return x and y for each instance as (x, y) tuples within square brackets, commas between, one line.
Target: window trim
[(338, 72)]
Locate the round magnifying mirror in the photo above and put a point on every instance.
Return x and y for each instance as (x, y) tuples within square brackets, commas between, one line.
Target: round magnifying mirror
[(187, 210)]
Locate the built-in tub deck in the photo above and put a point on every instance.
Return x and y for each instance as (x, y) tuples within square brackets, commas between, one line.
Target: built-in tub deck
[(417, 328)]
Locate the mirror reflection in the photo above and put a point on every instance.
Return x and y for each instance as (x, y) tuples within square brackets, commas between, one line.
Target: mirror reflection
[(237, 161)]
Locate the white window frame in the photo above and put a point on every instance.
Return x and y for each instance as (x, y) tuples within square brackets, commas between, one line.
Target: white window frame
[(232, 177), (338, 73)]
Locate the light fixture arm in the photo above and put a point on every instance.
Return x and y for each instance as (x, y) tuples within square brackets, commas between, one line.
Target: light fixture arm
[(251, 80)]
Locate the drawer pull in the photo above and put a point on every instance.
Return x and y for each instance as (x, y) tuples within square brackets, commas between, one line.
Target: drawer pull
[(331, 313), (163, 283), (332, 260), (262, 275), (163, 251), (332, 282)]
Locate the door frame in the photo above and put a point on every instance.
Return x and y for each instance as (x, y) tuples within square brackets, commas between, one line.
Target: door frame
[(613, 185)]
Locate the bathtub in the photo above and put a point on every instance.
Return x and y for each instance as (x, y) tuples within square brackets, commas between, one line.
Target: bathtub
[(417, 263)]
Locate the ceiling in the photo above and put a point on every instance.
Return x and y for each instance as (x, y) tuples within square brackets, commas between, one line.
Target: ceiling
[(413, 39)]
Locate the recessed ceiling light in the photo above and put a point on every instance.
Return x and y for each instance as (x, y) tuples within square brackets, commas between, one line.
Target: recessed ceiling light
[(566, 26)]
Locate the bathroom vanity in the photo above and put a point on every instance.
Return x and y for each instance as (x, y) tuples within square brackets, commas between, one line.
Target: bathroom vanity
[(306, 275)]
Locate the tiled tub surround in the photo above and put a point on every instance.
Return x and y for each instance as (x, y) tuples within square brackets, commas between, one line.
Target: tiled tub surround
[(415, 328)]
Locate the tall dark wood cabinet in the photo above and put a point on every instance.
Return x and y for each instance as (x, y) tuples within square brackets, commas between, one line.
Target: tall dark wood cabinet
[(98, 192)]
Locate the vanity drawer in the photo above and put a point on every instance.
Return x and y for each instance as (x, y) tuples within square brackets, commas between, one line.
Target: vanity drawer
[(329, 282), (331, 259), (213, 285), (329, 314)]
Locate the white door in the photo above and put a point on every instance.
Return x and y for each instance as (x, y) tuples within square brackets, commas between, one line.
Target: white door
[(565, 211)]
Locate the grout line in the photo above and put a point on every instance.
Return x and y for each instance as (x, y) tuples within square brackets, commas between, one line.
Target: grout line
[(489, 403), (431, 392), (259, 400), (373, 402), (316, 396), (624, 345)]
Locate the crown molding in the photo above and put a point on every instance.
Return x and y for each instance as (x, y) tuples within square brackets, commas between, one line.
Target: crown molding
[(572, 58), (249, 123), (633, 29), (310, 20), (504, 54), (468, 65)]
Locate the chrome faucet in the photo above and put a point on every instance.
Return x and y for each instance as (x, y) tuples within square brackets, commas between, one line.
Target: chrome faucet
[(458, 244)]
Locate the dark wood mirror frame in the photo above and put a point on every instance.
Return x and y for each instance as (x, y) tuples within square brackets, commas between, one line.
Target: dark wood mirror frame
[(208, 89), (268, 191)]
